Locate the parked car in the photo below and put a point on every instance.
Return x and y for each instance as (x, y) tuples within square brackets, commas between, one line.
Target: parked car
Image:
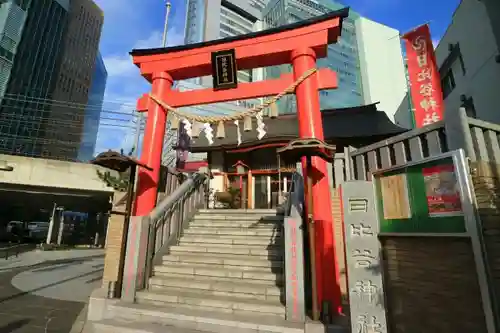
[(15, 225), (16, 231), (38, 230)]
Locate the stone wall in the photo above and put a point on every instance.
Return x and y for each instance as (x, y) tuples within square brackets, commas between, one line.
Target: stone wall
[(431, 285), (486, 180)]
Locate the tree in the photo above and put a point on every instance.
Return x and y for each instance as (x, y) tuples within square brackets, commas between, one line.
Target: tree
[(120, 182)]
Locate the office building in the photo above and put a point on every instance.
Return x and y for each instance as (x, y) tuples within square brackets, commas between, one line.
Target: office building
[(367, 58), (74, 79), (93, 111), (209, 20), (214, 19), (28, 77), (46, 92), (470, 66)]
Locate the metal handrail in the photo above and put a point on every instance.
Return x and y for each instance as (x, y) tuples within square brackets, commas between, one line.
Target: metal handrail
[(171, 216)]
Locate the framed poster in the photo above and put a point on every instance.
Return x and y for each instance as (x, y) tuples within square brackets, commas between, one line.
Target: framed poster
[(442, 191)]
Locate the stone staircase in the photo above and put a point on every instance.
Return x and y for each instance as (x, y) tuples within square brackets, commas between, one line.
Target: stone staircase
[(225, 275)]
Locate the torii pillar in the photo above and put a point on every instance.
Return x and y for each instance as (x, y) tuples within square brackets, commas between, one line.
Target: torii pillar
[(298, 44)]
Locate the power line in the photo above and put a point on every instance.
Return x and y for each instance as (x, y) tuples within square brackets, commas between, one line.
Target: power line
[(223, 106), (20, 96)]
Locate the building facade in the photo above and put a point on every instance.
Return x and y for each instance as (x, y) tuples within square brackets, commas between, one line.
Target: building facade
[(367, 58), (74, 80), (209, 20), (214, 19), (93, 110), (43, 104), (470, 66)]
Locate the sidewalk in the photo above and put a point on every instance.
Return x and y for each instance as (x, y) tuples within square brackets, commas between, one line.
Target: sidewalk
[(47, 291), (36, 257)]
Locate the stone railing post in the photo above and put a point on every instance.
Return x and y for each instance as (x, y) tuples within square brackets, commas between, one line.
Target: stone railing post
[(458, 133), (115, 246)]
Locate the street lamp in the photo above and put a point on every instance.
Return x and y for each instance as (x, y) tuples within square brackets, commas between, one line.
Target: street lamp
[(165, 28)]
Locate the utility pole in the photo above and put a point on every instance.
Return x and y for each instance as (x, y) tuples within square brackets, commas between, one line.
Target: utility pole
[(166, 140), (165, 27), (51, 224), (140, 115), (138, 126)]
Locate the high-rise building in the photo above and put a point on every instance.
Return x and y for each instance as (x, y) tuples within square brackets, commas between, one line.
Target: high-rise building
[(45, 96), (32, 41), (367, 58), (93, 111), (214, 19), (78, 59)]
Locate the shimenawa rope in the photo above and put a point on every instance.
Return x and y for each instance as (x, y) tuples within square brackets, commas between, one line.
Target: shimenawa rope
[(239, 115)]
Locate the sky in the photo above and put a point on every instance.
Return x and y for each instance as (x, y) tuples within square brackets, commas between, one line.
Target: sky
[(130, 24)]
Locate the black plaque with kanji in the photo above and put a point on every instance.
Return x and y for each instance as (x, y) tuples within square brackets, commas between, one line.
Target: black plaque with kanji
[(224, 70)]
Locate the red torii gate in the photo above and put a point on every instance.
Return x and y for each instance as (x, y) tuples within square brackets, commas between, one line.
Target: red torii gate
[(298, 44)]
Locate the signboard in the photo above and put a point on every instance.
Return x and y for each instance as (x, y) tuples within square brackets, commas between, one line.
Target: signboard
[(420, 197), (395, 197), (224, 70), (364, 266), (425, 81), (442, 190)]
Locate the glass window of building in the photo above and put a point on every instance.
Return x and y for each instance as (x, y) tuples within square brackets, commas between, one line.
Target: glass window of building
[(342, 57)]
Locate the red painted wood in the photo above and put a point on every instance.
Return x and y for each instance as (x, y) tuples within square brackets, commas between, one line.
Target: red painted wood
[(311, 126), (152, 144), (263, 51), (246, 150), (191, 166), (327, 79)]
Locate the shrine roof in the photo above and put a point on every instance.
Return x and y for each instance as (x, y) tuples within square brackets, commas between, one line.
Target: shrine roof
[(354, 126), (342, 13)]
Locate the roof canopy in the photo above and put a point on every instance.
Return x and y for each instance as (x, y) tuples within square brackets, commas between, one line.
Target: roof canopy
[(116, 161), (348, 126)]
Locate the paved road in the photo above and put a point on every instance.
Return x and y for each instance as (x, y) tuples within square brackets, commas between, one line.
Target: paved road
[(40, 296)]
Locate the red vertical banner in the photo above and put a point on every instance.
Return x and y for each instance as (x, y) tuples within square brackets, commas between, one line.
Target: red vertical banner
[(425, 81)]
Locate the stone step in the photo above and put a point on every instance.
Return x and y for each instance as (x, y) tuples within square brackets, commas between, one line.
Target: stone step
[(238, 217), (262, 244), (233, 249), (278, 281), (240, 223), (238, 211), (214, 303), (234, 224), (203, 320), (228, 262), (127, 326), (237, 274), (235, 239), (231, 231), (215, 288)]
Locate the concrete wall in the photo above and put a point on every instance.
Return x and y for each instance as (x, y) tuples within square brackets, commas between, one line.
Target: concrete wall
[(472, 29), (381, 64), (403, 116), (51, 173)]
